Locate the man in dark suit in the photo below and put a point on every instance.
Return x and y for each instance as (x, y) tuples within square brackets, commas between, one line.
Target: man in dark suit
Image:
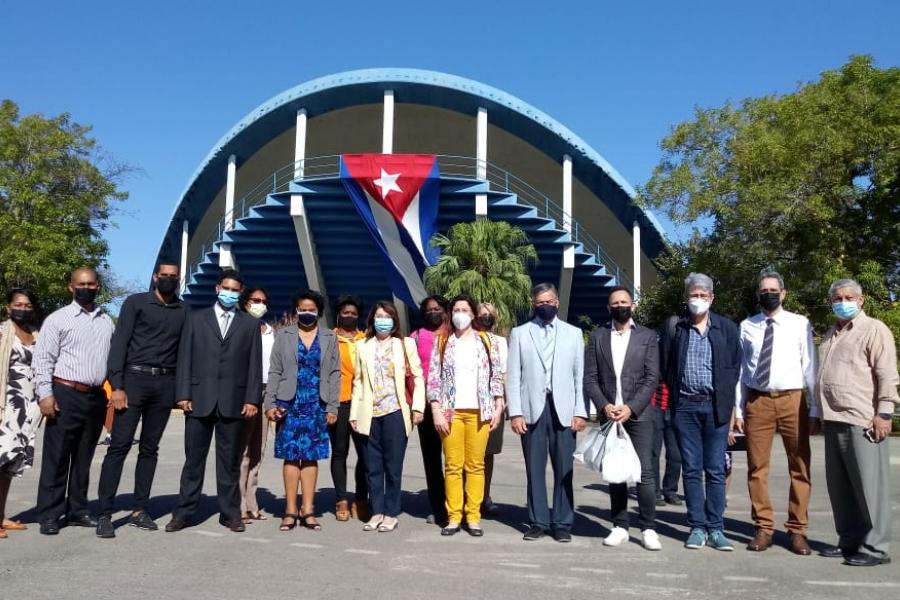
[(621, 372), (218, 386), (701, 358)]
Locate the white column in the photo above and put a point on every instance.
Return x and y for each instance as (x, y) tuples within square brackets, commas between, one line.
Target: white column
[(300, 144), (481, 129), (310, 259), (184, 254), (387, 147), (387, 132), (225, 257), (568, 262), (636, 265)]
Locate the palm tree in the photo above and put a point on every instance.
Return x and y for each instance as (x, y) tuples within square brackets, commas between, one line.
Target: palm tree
[(489, 261)]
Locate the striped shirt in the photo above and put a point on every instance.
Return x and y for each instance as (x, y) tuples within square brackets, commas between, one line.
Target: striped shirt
[(73, 345), (697, 378)]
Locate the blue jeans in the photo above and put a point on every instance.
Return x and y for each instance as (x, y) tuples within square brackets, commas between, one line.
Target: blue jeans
[(702, 446)]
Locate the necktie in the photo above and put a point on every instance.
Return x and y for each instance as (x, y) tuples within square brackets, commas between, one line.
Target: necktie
[(547, 354), (764, 364), (226, 317)]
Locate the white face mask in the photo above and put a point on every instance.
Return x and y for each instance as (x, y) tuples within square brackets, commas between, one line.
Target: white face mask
[(462, 320), (698, 306), (257, 311)]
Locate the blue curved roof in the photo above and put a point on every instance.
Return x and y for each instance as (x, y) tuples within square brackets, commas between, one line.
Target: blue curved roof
[(432, 88)]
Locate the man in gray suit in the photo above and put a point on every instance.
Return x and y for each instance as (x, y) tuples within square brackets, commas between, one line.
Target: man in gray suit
[(547, 408), (621, 372)]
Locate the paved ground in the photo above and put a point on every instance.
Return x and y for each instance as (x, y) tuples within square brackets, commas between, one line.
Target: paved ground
[(342, 561)]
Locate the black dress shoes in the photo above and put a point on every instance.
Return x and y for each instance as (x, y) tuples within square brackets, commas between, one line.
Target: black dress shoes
[(105, 527), (176, 524), (234, 525), (49, 527), (673, 499), (143, 521), (82, 521), (534, 533), (861, 559), (448, 531), (562, 536), (832, 552)]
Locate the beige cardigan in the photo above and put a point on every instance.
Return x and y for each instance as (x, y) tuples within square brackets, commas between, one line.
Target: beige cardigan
[(363, 401)]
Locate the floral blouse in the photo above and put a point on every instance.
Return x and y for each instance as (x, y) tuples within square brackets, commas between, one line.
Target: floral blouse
[(384, 385), (442, 378)]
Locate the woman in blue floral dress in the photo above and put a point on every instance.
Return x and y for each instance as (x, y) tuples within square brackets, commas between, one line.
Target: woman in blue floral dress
[(302, 397)]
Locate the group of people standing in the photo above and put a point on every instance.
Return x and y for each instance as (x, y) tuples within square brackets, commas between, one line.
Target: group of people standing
[(456, 381)]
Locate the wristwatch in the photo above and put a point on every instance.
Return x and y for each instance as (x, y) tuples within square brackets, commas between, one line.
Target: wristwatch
[(886, 416)]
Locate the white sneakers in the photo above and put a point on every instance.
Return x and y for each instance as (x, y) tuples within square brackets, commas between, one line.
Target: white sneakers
[(616, 537), (619, 536), (651, 540)]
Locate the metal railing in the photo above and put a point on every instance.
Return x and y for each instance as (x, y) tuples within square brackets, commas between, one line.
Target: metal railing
[(462, 167)]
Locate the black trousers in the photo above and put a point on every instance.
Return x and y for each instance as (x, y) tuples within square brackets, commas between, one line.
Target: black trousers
[(665, 434), (433, 461), (641, 434), (150, 401), (70, 439), (198, 434), (341, 433), (548, 437)]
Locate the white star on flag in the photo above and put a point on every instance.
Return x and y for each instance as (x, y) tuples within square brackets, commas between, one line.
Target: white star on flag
[(388, 183)]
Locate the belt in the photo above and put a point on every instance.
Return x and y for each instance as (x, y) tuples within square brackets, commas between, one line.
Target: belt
[(773, 394), (78, 387), (145, 370), (697, 397)]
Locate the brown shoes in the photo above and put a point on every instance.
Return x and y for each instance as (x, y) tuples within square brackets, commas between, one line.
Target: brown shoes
[(342, 511), (361, 510), (760, 542), (799, 545)]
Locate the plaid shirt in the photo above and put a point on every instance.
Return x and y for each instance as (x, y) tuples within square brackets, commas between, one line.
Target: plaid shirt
[(697, 378)]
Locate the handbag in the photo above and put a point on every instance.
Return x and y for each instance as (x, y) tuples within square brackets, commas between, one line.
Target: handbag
[(409, 380), (593, 445), (620, 462)]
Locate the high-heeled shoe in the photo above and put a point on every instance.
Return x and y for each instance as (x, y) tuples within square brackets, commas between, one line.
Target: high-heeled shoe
[(285, 526)]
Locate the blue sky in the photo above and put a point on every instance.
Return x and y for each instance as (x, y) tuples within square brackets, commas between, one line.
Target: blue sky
[(161, 82)]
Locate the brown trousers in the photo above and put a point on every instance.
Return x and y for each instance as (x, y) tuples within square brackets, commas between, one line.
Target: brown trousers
[(787, 414), (253, 445)]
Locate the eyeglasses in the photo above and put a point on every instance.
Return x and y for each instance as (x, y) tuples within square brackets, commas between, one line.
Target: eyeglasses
[(258, 301)]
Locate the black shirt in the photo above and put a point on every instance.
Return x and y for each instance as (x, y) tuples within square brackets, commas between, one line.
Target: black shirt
[(147, 334)]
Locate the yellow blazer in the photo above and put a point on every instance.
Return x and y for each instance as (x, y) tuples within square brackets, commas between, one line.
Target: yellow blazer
[(363, 401)]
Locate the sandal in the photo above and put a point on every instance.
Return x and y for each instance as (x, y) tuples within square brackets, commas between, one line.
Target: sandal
[(373, 525), (14, 526), (3, 535), (304, 521), (257, 516), (342, 511), (384, 528), (288, 522)]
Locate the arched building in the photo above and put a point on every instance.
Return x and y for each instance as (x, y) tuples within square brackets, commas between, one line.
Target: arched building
[(268, 198)]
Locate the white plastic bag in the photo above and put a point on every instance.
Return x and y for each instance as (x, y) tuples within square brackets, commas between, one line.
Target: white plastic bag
[(590, 450), (620, 462)]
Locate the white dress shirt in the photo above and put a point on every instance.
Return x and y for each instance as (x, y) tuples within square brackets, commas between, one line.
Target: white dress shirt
[(618, 341), (268, 341), (219, 312), (793, 357)]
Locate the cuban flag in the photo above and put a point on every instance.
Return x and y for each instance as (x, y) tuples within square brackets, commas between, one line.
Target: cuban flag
[(397, 196)]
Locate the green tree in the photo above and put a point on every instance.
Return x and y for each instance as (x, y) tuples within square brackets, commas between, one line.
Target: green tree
[(488, 260), (807, 183), (56, 196)]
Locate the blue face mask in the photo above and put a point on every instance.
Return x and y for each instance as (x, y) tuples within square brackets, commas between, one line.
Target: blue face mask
[(845, 310), (384, 324), (228, 298)]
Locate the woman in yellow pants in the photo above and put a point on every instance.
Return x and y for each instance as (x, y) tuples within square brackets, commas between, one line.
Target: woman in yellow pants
[(465, 390)]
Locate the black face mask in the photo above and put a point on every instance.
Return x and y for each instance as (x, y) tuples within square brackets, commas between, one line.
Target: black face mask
[(487, 321), (347, 323), (434, 319), (166, 285), (21, 317), (770, 300), (85, 296), (621, 314), (546, 312)]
